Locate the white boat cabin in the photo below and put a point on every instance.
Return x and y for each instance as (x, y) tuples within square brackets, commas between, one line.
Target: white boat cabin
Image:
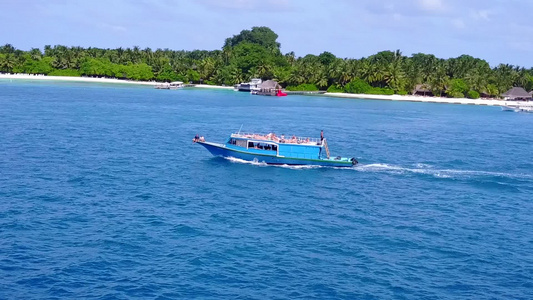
[(176, 85)]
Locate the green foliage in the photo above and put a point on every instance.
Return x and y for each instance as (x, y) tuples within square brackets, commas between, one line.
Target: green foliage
[(380, 91), (357, 86), (137, 72), (98, 67), (472, 94), (457, 88), (33, 66), (456, 95), (65, 72), (102, 67), (262, 36), (255, 53), (402, 93), (335, 89), (167, 74), (193, 76), (492, 90), (326, 58), (303, 87), (247, 56)]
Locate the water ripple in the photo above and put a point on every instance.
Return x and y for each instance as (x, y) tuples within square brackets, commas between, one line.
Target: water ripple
[(100, 199)]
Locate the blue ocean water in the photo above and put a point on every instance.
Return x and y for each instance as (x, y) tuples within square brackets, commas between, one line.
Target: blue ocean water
[(103, 196)]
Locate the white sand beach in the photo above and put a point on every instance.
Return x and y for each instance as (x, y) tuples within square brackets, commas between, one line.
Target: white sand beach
[(207, 86), (411, 98), (465, 101), (76, 79)]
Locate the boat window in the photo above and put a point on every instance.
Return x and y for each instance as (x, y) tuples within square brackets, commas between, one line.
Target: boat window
[(262, 146), (240, 143), (231, 142)]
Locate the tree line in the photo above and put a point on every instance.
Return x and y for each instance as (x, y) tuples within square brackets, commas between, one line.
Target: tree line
[(256, 53)]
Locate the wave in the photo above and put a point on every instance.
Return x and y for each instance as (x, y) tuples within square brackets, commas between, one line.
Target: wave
[(255, 162), (419, 168), (438, 173)]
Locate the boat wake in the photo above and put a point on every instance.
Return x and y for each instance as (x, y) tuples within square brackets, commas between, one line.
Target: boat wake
[(437, 173), (264, 164), (422, 169)]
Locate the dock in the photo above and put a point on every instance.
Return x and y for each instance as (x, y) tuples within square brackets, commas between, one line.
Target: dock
[(305, 92)]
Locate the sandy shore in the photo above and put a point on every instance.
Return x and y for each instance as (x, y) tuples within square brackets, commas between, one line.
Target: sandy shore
[(76, 79), (409, 98), (207, 86)]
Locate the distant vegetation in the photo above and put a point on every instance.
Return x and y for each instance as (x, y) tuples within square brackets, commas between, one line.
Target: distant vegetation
[(256, 53)]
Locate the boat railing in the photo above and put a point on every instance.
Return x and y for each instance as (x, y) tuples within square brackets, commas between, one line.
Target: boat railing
[(289, 139)]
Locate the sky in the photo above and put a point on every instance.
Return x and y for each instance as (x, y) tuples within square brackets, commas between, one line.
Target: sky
[(499, 31)]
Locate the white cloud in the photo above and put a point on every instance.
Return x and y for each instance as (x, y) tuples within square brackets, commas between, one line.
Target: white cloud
[(114, 28), (431, 5)]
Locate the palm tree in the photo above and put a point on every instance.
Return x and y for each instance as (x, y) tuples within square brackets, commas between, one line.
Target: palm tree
[(35, 54), (439, 80), (476, 81), (291, 58), (281, 74), (395, 76), (322, 81)]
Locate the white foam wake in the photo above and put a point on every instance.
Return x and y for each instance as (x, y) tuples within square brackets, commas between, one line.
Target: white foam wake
[(439, 173), (256, 162), (419, 168)]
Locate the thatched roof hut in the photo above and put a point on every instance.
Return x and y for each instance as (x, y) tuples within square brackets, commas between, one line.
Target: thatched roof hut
[(422, 90), (516, 93), (269, 85)]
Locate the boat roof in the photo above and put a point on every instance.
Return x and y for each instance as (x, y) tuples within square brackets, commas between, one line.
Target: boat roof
[(271, 137)]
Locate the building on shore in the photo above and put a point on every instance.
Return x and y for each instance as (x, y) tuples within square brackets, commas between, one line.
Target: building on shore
[(267, 88), (422, 90), (516, 93)]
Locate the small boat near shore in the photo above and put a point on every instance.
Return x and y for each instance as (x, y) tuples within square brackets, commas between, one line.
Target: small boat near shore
[(521, 107), (169, 86), (274, 150), (248, 86)]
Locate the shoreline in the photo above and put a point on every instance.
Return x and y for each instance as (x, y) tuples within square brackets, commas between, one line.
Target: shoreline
[(207, 86), (411, 98), (75, 79), (408, 98)]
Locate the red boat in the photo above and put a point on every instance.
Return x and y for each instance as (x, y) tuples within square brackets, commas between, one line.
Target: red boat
[(281, 94)]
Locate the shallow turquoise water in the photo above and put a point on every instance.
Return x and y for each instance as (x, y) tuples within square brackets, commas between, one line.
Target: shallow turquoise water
[(103, 195)]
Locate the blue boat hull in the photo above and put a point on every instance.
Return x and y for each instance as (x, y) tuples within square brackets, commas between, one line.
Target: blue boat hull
[(223, 151)]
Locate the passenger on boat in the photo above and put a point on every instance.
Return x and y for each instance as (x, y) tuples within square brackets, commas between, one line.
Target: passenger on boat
[(321, 136), (196, 138), (282, 140), (201, 139), (293, 140)]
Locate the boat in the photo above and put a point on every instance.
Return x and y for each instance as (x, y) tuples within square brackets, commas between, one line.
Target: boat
[(176, 85), (274, 150), (519, 107), (163, 86), (169, 86), (248, 86)]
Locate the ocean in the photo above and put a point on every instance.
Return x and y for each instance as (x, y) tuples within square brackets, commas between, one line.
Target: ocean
[(103, 195)]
